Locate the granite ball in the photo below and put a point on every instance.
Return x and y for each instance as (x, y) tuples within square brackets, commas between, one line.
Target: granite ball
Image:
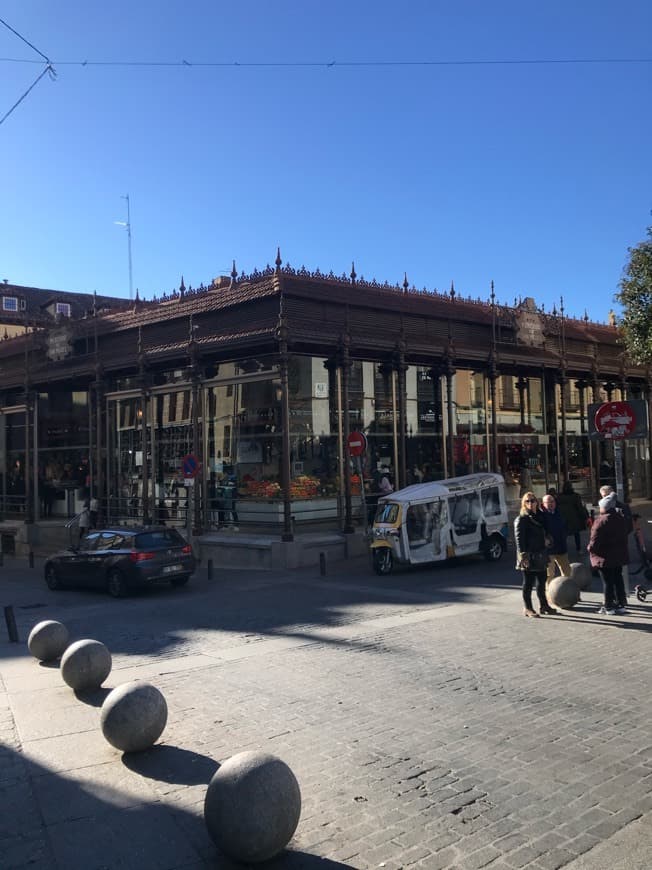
[(252, 806), (581, 574), (133, 716), (85, 665), (563, 592), (48, 640)]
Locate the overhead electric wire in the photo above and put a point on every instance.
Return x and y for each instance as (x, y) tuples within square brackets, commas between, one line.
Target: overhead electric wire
[(26, 41), (48, 68), (338, 63)]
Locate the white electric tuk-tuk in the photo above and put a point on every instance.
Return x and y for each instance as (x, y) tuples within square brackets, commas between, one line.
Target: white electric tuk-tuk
[(430, 522)]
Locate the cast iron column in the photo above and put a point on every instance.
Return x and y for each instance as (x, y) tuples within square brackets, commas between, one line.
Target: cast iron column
[(345, 367), (195, 377), (563, 380), (98, 482), (521, 386), (286, 479), (493, 376), (144, 399), (401, 368), (29, 498), (435, 374)]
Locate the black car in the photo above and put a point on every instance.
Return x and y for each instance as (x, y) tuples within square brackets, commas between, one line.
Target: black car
[(121, 559)]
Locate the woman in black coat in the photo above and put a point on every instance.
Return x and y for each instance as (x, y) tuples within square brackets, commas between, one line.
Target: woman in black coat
[(531, 555)]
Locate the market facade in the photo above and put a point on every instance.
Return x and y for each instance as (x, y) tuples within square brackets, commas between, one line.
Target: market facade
[(232, 404)]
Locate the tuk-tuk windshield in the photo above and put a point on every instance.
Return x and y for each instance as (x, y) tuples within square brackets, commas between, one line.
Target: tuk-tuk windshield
[(386, 513)]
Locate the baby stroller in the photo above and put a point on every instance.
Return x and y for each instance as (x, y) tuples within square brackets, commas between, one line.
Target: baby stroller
[(641, 589)]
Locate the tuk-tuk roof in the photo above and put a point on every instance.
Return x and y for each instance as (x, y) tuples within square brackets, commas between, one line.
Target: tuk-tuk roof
[(444, 488)]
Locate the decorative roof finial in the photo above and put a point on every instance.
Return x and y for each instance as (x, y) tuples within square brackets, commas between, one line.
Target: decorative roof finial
[(353, 275), (586, 316), (406, 283), (182, 287), (234, 274), (492, 295), (277, 261), (452, 291)]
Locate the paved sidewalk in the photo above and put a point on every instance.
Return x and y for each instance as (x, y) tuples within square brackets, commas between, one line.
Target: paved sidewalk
[(428, 723)]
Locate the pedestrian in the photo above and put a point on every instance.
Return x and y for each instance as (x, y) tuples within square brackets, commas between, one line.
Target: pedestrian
[(385, 486), (621, 507), (94, 508), (608, 552), (573, 511), (557, 534), (531, 555), (84, 520)]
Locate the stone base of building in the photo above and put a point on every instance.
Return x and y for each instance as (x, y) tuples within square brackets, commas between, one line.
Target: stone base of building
[(264, 553)]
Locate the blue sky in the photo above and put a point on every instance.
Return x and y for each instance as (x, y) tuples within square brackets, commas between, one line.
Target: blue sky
[(537, 177)]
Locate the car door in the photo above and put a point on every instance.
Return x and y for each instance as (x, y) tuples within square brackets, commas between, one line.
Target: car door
[(74, 566), (466, 514), (98, 561)]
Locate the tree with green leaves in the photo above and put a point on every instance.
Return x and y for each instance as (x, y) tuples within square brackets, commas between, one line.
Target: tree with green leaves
[(635, 296)]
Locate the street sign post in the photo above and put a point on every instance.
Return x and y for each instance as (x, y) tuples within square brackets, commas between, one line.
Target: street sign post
[(616, 421), (357, 444)]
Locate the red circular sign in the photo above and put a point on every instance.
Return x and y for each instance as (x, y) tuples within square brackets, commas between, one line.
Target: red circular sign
[(357, 443), (615, 419)]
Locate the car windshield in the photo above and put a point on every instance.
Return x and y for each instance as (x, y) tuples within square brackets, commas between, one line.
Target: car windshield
[(387, 513), (158, 539)]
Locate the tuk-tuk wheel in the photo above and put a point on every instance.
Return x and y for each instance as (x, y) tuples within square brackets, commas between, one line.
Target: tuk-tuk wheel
[(383, 561), (641, 593), (494, 548)]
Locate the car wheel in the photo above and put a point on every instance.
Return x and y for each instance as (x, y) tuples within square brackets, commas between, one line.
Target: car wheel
[(383, 561), (52, 578), (179, 581), (494, 548), (115, 584)]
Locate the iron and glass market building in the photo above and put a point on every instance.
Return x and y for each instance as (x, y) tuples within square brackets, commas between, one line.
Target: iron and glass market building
[(240, 397)]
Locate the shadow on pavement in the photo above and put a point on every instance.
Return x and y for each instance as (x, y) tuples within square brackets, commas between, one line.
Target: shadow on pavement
[(59, 823), (93, 697), (172, 764)]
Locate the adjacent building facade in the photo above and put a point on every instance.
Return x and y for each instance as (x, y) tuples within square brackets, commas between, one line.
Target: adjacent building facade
[(234, 402)]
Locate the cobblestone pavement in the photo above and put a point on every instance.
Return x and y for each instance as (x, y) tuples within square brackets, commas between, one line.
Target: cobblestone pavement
[(429, 724)]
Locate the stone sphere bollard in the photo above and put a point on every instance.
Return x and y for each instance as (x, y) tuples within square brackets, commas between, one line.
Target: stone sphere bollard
[(133, 716), (48, 640), (581, 574), (252, 806), (563, 592), (85, 665)]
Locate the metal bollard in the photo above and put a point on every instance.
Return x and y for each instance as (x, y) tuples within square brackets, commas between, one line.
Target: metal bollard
[(322, 564), (209, 569), (2, 558), (10, 619), (31, 559)]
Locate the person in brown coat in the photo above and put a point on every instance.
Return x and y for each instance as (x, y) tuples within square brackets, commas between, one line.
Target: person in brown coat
[(608, 552)]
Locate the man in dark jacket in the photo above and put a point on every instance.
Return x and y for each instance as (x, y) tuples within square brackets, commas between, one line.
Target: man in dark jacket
[(557, 533), (609, 552)]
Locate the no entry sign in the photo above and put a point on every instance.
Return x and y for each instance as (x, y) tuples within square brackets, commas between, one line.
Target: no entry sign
[(615, 420), (357, 443)]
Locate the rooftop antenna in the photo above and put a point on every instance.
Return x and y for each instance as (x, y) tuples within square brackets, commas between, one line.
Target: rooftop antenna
[(127, 225)]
